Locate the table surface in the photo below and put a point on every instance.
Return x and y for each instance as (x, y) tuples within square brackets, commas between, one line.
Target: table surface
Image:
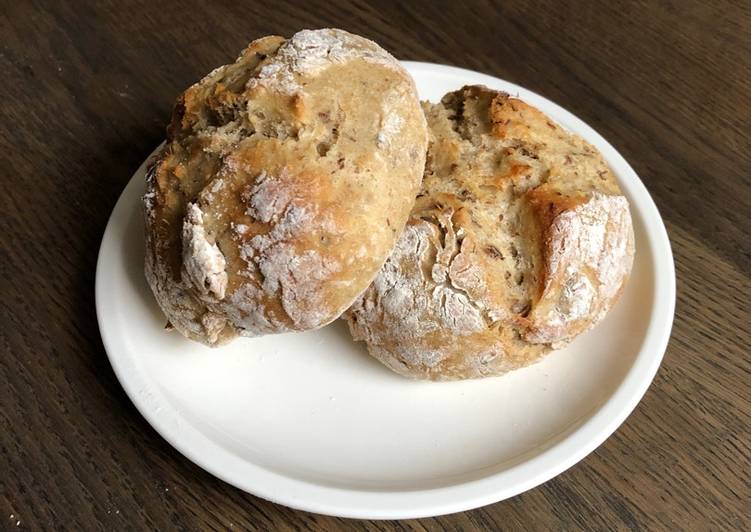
[(87, 89)]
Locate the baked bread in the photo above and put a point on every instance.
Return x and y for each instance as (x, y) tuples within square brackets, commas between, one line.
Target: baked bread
[(284, 182), (519, 241)]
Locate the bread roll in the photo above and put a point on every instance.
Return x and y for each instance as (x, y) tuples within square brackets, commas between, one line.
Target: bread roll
[(285, 179), (520, 240)]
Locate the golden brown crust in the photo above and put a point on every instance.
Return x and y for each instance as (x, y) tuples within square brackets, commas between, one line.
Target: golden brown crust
[(284, 182), (519, 241)]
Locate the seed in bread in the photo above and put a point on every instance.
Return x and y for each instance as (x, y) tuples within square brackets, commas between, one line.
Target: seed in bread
[(520, 240), (284, 182)]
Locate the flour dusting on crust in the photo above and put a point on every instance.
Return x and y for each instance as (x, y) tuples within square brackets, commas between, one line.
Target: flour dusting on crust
[(247, 312), (391, 123), (308, 52), (590, 251), (266, 198), (404, 304), (203, 261), (292, 275)]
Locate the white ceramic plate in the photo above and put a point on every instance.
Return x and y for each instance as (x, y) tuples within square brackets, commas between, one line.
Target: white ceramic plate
[(310, 421)]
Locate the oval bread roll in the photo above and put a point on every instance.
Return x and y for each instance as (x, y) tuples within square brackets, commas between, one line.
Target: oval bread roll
[(285, 179), (520, 240)]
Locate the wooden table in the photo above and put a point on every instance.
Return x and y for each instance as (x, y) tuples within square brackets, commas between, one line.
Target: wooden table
[(86, 90)]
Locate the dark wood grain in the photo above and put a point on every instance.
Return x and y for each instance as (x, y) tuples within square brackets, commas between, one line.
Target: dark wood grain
[(86, 90)]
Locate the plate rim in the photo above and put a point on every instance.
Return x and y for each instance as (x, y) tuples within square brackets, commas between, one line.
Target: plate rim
[(400, 504)]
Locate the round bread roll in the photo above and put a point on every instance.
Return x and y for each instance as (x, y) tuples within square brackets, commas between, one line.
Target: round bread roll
[(284, 182), (520, 240)]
